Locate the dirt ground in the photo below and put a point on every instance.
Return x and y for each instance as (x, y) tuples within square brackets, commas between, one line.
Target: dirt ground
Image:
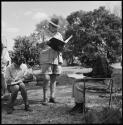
[(53, 113)]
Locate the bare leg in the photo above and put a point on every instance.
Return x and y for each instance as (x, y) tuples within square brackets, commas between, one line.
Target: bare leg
[(46, 78), (52, 86)]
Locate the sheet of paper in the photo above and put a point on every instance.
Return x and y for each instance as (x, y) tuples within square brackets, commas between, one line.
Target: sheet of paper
[(76, 76), (14, 83)]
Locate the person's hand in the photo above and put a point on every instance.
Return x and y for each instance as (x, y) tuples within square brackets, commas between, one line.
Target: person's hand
[(18, 78)]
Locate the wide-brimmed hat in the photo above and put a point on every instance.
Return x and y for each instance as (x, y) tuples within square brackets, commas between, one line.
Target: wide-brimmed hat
[(54, 22)]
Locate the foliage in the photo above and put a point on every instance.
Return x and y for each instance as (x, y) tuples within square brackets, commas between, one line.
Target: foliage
[(98, 27), (25, 49)]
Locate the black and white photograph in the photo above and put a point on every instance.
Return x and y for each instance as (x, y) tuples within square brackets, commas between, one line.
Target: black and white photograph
[(61, 62)]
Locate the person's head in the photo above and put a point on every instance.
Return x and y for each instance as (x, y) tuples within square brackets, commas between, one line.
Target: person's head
[(53, 25), (17, 59), (90, 50)]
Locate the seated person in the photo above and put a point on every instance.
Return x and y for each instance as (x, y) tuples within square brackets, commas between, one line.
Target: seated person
[(14, 73), (100, 69)]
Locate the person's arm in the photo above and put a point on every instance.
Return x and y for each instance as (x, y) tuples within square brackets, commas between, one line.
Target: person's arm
[(60, 59), (95, 69)]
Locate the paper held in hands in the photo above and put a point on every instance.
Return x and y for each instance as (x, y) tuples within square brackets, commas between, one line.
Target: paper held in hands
[(76, 76), (17, 82), (57, 44)]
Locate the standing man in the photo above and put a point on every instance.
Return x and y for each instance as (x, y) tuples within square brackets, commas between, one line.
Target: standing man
[(50, 61)]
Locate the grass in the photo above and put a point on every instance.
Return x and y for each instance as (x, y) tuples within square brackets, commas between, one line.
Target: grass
[(57, 113)]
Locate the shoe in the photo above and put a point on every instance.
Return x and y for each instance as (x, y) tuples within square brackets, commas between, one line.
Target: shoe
[(74, 109), (10, 110), (45, 102), (78, 108), (52, 100), (27, 108)]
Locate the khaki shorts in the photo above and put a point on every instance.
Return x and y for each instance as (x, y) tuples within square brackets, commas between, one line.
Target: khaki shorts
[(51, 69)]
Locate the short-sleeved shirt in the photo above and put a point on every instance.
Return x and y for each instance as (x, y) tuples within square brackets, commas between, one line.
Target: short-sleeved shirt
[(12, 72), (48, 55)]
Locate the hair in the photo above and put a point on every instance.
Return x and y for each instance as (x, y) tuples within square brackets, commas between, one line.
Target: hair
[(90, 48), (17, 58)]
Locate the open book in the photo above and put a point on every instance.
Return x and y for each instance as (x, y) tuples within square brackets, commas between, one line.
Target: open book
[(17, 82), (57, 44)]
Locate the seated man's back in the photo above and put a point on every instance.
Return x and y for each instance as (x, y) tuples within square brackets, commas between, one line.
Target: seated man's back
[(101, 68)]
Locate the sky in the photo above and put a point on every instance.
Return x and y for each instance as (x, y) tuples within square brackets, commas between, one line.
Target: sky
[(20, 18)]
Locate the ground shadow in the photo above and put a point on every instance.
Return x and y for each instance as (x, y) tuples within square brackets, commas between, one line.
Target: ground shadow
[(31, 102), (4, 103)]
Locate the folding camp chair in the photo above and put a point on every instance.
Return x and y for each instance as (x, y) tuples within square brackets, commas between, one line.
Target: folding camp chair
[(90, 87), (80, 78)]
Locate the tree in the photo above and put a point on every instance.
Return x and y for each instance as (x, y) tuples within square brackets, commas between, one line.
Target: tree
[(98, 27), (24, 48), (42, 27)]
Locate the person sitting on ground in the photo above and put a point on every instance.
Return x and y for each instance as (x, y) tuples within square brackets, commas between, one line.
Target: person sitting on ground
[(13, 74), (100, 69)]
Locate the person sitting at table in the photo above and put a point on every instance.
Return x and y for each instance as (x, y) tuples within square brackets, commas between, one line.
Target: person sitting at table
[(100, 69), (14, 77)]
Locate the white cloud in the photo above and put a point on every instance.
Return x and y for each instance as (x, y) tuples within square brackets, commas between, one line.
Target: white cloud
[(27, 13), (40, 16)]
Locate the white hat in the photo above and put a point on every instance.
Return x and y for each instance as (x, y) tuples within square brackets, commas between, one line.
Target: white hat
[(54, 22)]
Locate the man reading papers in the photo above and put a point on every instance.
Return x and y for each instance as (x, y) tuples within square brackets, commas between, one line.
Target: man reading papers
[(57, 44), (51, 60)]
